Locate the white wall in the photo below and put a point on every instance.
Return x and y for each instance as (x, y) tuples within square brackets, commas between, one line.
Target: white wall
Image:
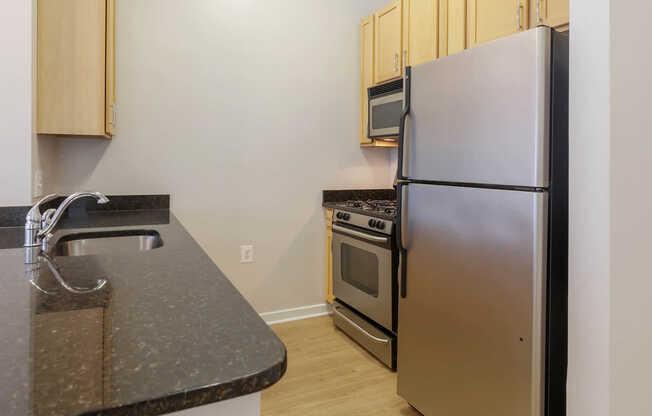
[(631, 208), (15, 102), (589, 250), (243, 111), (610, 334)]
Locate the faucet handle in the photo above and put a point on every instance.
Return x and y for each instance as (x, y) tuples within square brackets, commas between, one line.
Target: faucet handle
[(34, 214), (46, 217)]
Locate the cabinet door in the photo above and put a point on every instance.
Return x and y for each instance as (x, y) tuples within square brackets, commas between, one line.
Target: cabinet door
[(423, 31), (387, 40), (405, 35), (366, 73), (71, 44), (553, 13), (329, 256), (492, 19), (68, 352), (110, 105), (452, 26)]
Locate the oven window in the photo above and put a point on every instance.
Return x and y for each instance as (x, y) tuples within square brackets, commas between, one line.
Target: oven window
[(386, 115), (360, 269)]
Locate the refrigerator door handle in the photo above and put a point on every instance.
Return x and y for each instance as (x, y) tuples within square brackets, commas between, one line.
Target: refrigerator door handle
[(401, 234), (400, 217), (403, 271), (403, 212), (401, 126)]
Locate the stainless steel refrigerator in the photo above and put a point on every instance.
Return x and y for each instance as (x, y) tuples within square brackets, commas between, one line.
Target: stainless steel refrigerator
[(483, 195)]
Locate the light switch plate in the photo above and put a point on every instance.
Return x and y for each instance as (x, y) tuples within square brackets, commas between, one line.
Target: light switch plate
[(246, 254)]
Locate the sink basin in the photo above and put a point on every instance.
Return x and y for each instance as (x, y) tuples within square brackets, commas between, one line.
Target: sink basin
[(107, 242)]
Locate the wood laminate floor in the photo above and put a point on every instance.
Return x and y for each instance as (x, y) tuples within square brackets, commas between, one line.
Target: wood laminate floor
[(329, 374)]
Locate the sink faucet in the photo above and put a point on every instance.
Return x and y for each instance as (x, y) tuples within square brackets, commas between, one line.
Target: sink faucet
[(38, 227)]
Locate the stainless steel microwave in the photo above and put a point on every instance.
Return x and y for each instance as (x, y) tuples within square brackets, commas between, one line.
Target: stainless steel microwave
[(385, 108)]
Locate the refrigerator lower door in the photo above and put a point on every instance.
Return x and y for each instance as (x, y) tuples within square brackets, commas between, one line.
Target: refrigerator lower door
[(471, 327)]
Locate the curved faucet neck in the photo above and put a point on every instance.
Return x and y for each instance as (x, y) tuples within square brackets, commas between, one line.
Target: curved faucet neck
[(65, 204)]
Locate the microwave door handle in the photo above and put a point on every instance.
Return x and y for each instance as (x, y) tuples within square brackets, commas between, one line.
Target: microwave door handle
[(355, 233), (369, 117)]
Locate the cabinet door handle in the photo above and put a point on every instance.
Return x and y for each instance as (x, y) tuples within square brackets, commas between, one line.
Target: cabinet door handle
[(519, 6), (405, 62), (114, 121), (396, 62), (538, 12)]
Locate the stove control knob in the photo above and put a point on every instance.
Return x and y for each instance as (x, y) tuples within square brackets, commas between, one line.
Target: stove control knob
[(339, 215), (381, 225), (372, 222), (347, 217)]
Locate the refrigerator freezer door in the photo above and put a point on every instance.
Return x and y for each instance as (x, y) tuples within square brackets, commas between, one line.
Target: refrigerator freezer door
[(481, 116), (471, 328)]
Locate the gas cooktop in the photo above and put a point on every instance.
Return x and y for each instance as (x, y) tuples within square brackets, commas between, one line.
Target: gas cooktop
[(384, 206)]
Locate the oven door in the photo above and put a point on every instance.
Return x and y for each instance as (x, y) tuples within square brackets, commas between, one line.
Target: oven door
[(362, 272)]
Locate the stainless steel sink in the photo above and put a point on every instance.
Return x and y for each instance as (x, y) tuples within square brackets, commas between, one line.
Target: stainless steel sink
[(108, 242)]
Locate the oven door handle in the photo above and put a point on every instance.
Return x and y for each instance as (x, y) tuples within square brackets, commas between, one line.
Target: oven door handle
[(355, 233), (346, 318)]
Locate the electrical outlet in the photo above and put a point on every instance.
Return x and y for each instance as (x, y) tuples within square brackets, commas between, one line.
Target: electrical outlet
[(246, 254)]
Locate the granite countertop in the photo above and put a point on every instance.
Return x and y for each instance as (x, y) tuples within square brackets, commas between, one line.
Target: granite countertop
[(167, 331)]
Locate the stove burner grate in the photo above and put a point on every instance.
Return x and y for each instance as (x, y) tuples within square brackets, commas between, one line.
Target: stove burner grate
[(384, 206)]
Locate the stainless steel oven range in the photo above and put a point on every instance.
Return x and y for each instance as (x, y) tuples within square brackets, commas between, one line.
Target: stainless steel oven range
[(365, 265)]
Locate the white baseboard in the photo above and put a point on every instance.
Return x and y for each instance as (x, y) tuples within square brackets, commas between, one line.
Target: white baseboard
[(294, 314)]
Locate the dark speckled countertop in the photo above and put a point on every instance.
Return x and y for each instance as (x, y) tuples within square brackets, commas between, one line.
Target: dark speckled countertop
[(168, 331)]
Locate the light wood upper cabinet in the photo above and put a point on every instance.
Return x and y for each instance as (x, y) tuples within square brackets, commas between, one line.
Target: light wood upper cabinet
[(388, 46), (411, 32), (452, 26), (111, 110), (405, 35), (423, 31), (75, 67), (492, 19), (554, 13), (366, 73)]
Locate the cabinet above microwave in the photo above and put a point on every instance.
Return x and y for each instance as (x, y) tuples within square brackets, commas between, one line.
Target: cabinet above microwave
[(367, 44)]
